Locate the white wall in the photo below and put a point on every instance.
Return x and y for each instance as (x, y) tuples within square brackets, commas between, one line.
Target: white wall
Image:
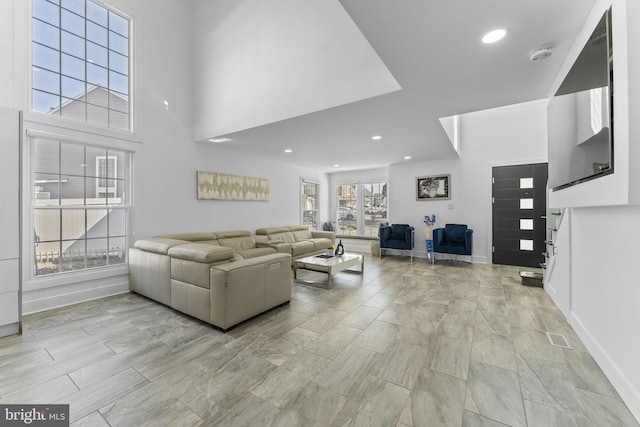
[(605, 296), (503, 136), (250, 52)]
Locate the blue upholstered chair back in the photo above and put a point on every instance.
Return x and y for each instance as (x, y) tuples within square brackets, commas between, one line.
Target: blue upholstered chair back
[(453, 239), (396, 236)]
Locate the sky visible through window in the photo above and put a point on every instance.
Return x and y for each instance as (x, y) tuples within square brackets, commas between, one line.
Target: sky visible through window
[(80, 62)]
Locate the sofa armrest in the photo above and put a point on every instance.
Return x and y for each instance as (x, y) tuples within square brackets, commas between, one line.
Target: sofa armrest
[(268, 244), (282, 248), (324, 234), (468, 240)]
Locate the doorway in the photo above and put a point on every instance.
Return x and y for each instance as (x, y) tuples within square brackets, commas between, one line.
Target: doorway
[(519, 209)]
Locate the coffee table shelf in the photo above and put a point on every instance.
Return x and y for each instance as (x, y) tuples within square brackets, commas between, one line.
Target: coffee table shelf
[(328, 265)]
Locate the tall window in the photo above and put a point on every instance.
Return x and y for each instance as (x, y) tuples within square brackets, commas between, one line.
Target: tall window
[(80, 206), (309, 202), (80, 62), (361, 208)]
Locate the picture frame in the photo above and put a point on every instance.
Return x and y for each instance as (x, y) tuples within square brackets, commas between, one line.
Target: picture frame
[(434, 187)]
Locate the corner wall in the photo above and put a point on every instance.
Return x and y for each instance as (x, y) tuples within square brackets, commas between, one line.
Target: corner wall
[(511, 135)]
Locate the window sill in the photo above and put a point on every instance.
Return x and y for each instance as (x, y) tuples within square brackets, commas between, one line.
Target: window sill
[(73, 277)]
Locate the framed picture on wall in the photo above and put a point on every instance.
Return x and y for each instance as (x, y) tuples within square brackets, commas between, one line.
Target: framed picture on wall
[(437, 187)]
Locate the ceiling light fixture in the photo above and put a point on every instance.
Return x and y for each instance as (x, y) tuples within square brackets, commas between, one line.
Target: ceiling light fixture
[(335, 166), (407, 157), (494, 36), (376, 137), (288, 150), (218, 140)]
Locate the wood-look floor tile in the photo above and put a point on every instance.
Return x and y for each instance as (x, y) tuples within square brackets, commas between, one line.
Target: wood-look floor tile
[(378, 336), (251, 411), (436, 400), (401, 364), (94, 397), (333, 342), (94, 419), (586, 374), (361, 317), (606, 410), (494, 350), (375, 403), (544, 416), (313, 406), (495, 393), (348, 370), (452, 357), (471, 419), (324, 321), (49, 391)]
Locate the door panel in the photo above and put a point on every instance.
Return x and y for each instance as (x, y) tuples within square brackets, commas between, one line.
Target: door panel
[(519, 205)]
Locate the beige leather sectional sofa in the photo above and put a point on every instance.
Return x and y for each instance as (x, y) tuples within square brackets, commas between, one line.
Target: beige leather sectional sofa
[(222, 278)]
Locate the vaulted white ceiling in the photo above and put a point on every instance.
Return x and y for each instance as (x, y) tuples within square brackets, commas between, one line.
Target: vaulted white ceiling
[(321, 77)]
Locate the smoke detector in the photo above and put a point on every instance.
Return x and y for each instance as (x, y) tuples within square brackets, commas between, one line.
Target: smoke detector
[(541, 53)]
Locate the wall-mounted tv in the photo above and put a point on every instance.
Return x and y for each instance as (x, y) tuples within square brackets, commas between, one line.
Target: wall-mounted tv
[(580, 114)]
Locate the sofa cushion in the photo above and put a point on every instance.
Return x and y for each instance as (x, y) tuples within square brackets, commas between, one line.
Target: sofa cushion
[(301, 248), (321, 243), (301, 235), (232, 233), (285, 237), (200, 252), (255, 252), (454, 233), (238, 243), (272, 230), (192, 237), (158, 245)]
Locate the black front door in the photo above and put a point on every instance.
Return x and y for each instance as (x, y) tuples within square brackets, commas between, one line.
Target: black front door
[(519, 209)]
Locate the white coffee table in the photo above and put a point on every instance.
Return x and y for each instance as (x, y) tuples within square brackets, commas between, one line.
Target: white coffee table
[(328, 265)]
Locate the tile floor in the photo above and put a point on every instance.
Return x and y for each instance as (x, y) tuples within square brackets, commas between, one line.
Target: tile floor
[(401, 345)]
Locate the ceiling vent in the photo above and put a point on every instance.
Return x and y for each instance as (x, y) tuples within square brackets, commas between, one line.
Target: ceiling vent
[(540, 53)]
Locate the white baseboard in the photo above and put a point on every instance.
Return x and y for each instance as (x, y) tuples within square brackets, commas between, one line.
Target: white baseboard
[(59, 296), (627, 391)]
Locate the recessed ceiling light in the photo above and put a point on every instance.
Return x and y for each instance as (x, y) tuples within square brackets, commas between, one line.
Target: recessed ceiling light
[(335, 166), (407, 157), (494, 36), (218, 140), (288, 151), (166, 103), (376, 137)]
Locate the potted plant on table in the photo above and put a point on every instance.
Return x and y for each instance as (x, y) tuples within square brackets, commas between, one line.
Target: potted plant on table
[(330, 249)]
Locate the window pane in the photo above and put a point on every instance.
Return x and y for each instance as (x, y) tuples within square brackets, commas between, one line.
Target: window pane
[(97, 55), (347, 209), (118, 82), (526, 245), (46, 11), (118, 24), (93, 193), (526, 224), (47, 224), (46, 189), (44, 57), (47, 257), (73, 45), (526, 203), (96, 223), (73, 109), (120, 196), (73, 225), (72, 190), (118, 120), (98, 96), (97, 250), (96, 34), (72, 88), (72, 159), (72, 23), (97, 115), (117, 222), (46, 156), (76, 6), (44, 102), (119, 63), (117, 250), (46, 81), (97, 13), (526, 182), (73, 67), (46, 34), (97, 76), (118, 43), (73, 257)]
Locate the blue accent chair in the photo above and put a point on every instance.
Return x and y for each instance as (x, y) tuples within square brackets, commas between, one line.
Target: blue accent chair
[(454, 239), (397, 236)]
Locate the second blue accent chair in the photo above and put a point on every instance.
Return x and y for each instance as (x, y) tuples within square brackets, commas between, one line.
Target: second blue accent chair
[(397, 236), (454, 239)]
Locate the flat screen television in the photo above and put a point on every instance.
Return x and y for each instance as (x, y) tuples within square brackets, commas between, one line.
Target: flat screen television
[(580, 114)]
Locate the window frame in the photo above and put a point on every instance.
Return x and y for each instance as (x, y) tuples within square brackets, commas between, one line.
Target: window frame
[(358, 210), (29, 253), (303, 211), (134, 119)]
